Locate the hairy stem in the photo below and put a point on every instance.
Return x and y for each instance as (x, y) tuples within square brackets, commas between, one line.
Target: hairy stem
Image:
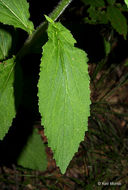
[(62, 5), (38, 34)]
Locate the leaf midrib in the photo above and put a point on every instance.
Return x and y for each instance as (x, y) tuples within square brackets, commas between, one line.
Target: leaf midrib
[(6, 81), (13, 13)]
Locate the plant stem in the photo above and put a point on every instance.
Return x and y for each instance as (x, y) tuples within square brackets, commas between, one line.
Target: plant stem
[(37, 35), (62, 5)]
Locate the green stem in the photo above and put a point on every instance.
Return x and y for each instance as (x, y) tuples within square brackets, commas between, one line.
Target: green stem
[(37, 35), (62, 5)]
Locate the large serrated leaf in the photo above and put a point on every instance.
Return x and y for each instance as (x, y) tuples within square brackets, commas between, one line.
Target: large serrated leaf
[(64, 94), (118, 20), (5, 43), (16, 13), (7, 101), (33, 155)]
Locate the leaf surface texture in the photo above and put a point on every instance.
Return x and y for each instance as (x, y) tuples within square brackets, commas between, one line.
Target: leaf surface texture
[(7, 101), (16, 13), (64, 94), (5, 43)]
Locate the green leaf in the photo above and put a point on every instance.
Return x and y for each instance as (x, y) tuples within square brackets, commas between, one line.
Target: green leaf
[(15, 12), (96, 16), (126, 2), (7, 101), (107, 46), (95, 3), (126, 63), (33, 155), (64, 94), (111, 2), (5, 43), (118, 20)]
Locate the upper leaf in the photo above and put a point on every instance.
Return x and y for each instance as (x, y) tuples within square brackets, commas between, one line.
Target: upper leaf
[(33, 155), (7, 101), (5, 43), (16, 13), (118, 20), (64, 94)]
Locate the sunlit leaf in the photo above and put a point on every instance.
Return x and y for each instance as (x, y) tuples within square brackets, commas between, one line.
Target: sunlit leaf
[(64, 94), (126, 2), (16, 13)]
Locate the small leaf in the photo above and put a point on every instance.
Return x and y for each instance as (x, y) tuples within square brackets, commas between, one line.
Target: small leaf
[(96, 16), (64, 94), (33, 155), (126, 2), (107, 46), (49, 19), (118, 20), (7, 101), (16, 13), (5, 43)]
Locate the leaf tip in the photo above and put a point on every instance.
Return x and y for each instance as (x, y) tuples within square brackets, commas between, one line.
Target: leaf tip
[(49, 19)]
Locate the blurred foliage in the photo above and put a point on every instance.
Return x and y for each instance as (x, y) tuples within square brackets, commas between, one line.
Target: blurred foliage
[(107, 12)]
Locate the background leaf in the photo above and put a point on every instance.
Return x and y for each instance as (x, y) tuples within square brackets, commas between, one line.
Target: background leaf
[(7, 101), (95, 3), (33, 155), (5, 43), (96, 16), (111, 2), (118, 20), (16, 13), (64, 94), (107, 47)]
